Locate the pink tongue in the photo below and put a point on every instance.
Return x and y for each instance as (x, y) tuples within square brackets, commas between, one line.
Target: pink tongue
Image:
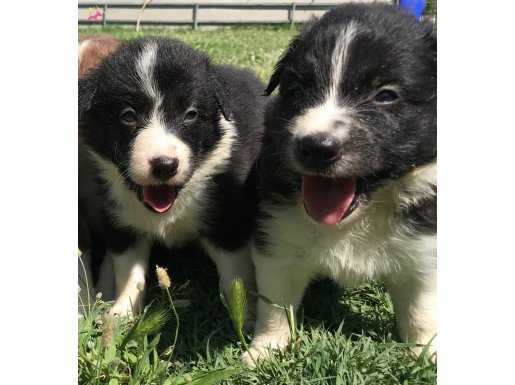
[(327, 200), (159, 198)]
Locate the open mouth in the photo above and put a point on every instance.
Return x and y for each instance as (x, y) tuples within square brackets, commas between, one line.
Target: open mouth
[(329, 200), (158, 198)]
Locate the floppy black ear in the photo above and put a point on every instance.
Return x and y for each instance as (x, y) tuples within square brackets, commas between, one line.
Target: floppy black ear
[(222, 105), (275, 79), (220, 93), (87, 91)]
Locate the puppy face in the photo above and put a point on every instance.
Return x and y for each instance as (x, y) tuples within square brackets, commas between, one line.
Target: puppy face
[(152, 109), (357, 98)]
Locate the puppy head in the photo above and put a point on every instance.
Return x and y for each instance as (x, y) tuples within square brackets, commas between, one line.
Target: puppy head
[(357, 98), (152, 109)]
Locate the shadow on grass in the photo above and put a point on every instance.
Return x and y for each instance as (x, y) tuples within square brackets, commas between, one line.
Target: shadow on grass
[(205, 326), (365, 310)]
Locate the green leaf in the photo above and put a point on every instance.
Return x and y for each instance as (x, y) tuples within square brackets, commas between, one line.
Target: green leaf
[(207, 378), (235, 304), (151, 321), (110, 354), (130, 358)]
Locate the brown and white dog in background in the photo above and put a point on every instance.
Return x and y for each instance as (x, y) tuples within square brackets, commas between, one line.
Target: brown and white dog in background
[(92, 49)]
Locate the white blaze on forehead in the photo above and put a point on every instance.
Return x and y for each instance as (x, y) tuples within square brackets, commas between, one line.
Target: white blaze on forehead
[(340, 57), (145, 68), (330, 116), (155, 140)]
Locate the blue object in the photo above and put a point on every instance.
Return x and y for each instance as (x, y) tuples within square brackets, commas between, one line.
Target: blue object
[(415, 7)]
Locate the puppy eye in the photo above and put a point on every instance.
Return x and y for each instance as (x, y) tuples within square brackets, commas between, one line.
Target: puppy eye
[(190, 115), (129, 117), (386, 96)]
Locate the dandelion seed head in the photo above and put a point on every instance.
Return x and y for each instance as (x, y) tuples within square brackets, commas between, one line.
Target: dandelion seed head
[(162, 278)]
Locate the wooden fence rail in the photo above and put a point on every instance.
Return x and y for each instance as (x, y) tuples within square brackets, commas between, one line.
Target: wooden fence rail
[(291, 8)]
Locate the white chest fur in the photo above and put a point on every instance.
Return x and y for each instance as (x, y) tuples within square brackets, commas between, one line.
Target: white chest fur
[(182, 222), (373, 243), (178, 226)]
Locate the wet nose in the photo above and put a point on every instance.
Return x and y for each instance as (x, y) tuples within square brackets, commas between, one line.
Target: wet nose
[(164, 167), (317, 151)]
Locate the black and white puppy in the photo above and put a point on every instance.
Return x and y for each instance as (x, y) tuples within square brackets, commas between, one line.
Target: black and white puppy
[(175, 140), (349, 168)]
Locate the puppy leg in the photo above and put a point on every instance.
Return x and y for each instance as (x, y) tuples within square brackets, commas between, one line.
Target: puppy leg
[(105, 284), (236, 264), (130, 268), (280, 280), (415, 308)]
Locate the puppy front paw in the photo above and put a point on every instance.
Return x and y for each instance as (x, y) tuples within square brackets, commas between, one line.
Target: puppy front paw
[(255, 354), (429, 347), (261, 348), (121, 309)]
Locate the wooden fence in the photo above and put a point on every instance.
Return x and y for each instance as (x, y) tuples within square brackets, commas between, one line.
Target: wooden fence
[(104, 10)]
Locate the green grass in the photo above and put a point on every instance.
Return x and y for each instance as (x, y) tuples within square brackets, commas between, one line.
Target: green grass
[(431, 8), (346, 336), (255, 48)]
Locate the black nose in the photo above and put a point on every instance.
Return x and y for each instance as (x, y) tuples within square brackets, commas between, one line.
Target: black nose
[(317, 151), (164, 167)]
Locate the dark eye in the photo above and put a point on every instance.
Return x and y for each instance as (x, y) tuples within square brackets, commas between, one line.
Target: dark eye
[(386, 96), (190, 115), (129, 117)]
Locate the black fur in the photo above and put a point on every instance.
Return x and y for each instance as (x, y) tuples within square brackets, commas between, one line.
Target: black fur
[(387, 141), (422, 216), (351, 135), (183, 76)]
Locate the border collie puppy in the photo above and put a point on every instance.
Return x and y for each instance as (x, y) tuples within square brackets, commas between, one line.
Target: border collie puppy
[(348, 168), (175, 141)]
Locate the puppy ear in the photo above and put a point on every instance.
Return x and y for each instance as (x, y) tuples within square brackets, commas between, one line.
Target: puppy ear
[(275, 79), (87, 90), (220, 92), (222, 106)]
